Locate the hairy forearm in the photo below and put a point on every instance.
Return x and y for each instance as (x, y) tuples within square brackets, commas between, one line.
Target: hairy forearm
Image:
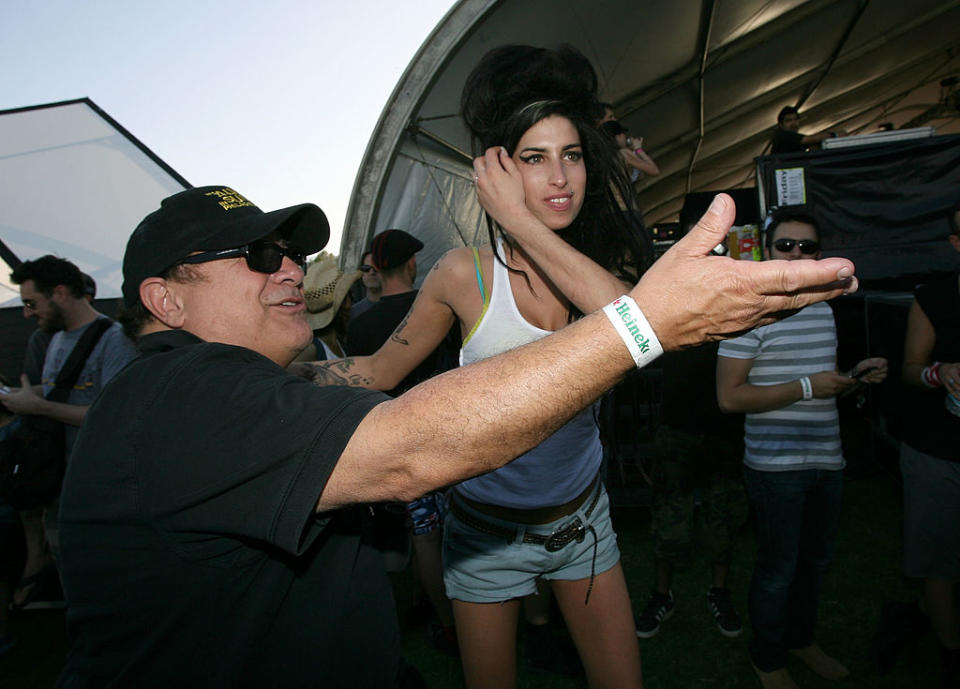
[(477, 418)]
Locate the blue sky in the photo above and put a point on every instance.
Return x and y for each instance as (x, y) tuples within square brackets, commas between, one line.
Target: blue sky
[(276, 99)]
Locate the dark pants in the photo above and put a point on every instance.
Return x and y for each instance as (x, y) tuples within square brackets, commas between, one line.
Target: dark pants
[(797, 514)]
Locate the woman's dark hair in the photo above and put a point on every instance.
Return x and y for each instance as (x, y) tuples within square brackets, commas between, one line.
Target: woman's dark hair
[(514, 87)]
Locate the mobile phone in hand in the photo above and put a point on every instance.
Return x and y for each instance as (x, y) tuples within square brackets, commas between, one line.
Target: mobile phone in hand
[(857, 375)]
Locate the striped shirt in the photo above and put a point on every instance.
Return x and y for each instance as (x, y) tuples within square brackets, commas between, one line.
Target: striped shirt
[(805, 434)]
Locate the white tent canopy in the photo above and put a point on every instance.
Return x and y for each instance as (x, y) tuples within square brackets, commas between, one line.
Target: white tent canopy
[(701, 80), (75, 184)]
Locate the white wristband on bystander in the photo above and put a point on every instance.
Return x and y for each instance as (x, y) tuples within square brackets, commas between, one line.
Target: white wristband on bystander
[(634, 330), (807, 388)]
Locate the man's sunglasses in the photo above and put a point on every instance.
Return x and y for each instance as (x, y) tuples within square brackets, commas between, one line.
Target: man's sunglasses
[(263, 256), (366, 268), (807, 246)]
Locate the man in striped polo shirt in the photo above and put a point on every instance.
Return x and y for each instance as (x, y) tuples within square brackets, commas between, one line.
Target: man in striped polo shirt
[(784, 377)]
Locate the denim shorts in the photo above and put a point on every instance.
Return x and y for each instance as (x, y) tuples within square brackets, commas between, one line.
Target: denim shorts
[(479, 567)]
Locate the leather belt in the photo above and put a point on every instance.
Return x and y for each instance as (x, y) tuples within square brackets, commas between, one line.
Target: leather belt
[(574, 530)]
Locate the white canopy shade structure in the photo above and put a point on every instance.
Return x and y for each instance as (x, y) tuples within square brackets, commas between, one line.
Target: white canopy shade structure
[(75, 184), (701, 80)]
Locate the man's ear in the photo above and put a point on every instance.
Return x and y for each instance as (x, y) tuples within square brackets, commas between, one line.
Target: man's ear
[(955, 241), (59, 293), (162, 299)]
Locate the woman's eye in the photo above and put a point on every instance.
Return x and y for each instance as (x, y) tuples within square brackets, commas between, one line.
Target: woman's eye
[(532, 159), (574, 156)]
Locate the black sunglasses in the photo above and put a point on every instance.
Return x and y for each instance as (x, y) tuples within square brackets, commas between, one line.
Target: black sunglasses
[(807, 246), (366, 268), (263, 256)]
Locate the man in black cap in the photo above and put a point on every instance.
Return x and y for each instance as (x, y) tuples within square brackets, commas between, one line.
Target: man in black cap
[(208, 534), (394, 255)]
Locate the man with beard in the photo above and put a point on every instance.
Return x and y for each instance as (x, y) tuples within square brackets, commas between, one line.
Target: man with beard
[(53, 292)]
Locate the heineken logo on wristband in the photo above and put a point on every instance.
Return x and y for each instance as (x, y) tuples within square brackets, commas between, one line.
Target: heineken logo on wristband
[(623, 309)]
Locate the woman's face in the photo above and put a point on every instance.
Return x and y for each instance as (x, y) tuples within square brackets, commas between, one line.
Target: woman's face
[(550, 159)]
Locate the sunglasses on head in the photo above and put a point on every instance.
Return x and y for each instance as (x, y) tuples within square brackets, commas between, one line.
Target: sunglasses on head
[(807, 246), (366, 269), (263, 256)]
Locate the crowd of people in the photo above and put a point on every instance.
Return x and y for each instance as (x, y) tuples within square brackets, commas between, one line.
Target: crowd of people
[(214, 526)]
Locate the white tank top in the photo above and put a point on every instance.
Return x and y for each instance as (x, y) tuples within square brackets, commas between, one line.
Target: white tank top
[(563, 465)]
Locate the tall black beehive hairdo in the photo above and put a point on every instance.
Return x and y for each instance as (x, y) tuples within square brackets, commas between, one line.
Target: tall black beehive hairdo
[(512, 77)]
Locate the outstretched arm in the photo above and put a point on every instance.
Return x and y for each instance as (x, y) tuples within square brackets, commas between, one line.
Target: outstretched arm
[(820, 137), (419, 333), (479, 417), (690, 296)]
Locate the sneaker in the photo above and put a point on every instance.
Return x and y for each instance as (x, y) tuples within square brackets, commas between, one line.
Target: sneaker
[(659, 608), (728, 621)]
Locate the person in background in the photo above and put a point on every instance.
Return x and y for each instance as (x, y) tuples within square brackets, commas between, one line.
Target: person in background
[(393, 254), (930, 455), (58, 295), (326, 291), (784, 377), (788, 139), (372, 284), (11, 540), (638, 161)]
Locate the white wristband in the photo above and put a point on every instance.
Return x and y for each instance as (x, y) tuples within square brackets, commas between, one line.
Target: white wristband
[(807, 388), (634, 330)]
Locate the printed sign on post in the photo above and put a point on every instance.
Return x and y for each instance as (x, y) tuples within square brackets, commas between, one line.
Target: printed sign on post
[(791, 188)]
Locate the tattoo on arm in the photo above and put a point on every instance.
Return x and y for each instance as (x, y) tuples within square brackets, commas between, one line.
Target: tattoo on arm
[(337, 372), (403, 324)]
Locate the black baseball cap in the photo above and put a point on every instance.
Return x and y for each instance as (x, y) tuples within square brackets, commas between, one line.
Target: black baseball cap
[(391, 248), (210, 219)]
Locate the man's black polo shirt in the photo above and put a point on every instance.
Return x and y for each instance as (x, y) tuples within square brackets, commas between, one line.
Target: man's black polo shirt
[(191, 552)]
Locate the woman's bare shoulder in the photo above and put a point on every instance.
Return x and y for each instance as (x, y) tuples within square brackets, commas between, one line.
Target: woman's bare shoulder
[(458, 265)]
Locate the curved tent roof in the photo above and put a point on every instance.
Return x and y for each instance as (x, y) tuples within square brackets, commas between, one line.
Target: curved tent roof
[(701, 81)]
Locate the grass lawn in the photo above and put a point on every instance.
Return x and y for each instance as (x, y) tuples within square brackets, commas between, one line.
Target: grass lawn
[(688, 652)]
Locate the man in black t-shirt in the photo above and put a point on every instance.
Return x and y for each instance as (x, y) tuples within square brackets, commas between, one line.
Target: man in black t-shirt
[(788, 138), (394, 254), (208, 532)]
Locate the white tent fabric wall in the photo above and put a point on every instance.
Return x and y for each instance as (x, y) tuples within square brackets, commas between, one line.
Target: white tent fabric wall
[(431, 196), (74, 185)]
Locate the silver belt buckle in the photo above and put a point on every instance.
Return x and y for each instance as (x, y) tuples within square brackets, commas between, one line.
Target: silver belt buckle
[(573, 531)]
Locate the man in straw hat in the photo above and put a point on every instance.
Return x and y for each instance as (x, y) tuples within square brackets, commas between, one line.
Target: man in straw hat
[(208, 533)]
